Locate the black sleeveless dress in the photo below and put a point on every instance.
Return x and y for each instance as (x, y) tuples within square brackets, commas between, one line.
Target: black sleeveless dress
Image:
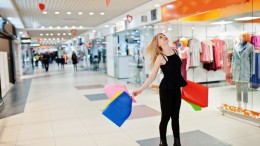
[(172, 73)]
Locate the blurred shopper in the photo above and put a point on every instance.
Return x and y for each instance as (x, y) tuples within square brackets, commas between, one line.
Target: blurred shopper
[(46, 59), (74, 59), (62, 61)]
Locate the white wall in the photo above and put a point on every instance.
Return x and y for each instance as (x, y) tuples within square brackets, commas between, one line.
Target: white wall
[(111, 52)]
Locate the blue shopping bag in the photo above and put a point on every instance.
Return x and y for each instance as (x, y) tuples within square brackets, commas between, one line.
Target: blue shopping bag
[(119, 109)]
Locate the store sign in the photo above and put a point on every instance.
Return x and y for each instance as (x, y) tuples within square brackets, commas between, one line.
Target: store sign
[(26, 41), (120, 26)]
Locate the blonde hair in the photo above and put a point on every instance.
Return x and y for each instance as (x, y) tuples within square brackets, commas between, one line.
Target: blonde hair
[(153, 49)]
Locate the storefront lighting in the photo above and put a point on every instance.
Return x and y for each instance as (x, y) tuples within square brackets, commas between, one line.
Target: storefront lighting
[(20, 32), (47, 34), (57, 13), (41, 34), (80, 13), (42, 27), (91, 13), (50, 27), (157, 5), (66, 27), (80, 26), (64, 33), (58, 33), (49, 39), (102, 13), (221, 22), (106, 25), (170, 6), (246, 18), (124, 18), (69, 33), (62, 38), (68, 13), (51, 34), (44, 12), (169, 28), (23, 36), (58, 27), (45, 39), (73, 27), (93, 30), (144, 26)]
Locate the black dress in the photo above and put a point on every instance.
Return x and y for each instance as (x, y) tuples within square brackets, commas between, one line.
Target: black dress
[(170, 94)]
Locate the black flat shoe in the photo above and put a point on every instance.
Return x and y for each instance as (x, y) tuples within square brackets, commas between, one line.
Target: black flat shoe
[(177, 142), (163, 143)]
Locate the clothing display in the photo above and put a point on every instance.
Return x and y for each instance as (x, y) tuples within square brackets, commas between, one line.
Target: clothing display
[(255, 40), (255, 79), (228, 59), (185, 56), (243, 62), (242, 86), (219, 48), (195, 50), (211, 65), (207, 52)]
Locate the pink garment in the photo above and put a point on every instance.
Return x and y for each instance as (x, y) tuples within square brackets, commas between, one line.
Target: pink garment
[(207, 52), (219, 47), (256, 41), (184, 53), (183, 68)]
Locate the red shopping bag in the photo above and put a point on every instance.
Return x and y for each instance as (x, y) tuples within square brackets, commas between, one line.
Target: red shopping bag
[(195, 93)]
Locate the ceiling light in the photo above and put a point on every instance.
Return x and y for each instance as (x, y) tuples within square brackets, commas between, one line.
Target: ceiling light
[(23, 36), (66, 27), (49, 39), (62, 38), (144, 26), (80, 26), (69, 33), (20, 32), (64, 33), (44, 12), (57, 12), (93, 30), (41, 34), (44, 39), (9, 18), (50, 26), (162, 26), (246, 18), (51, 34), (58, 27), (53, 39), (42, 27), (157, 5), (102, 13), (58, 38), (73, 27), (106, 25), (221, 22), (80, 13), (91, 13), (47, 34), (155, 26), (169, 28), (170, 6), (69, 13), (124, 18), (58, 33)]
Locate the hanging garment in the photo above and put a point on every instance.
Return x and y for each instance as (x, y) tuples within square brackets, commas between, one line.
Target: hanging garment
[(195, 50), (255, 79), (211, 65), (207, 52), (228, 58), (255, 40), (219, 48), (243, 62)]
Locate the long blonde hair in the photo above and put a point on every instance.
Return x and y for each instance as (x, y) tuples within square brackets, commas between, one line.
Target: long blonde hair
[(153, 49)]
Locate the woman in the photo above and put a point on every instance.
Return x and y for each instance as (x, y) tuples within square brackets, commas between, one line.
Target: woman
[(162, 56)]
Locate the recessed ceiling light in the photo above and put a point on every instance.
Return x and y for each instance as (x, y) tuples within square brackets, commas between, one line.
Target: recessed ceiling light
[(58, 38), (45, 39), (64, 33), (157, 5), (50, 26), (93, 30), (80, 26), (170, 6), (57, 12), (51, 34), (69, 33), (221, 22), (69, 13), (23, 36), (66, 27), (47, 34), (49, 39), (124, 18), (102, 13), (73, 27), (169, 28), (91, 13), (53, 39), (44, 12), (106, 25), (42, 27), (62, 38), (58, 26), (9, 18), (155, 26), (58, 33), (80, 13), (41, 34), (246, 18), (20, 32)]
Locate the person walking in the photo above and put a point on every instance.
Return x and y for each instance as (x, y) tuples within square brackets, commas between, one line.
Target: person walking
[(74, 60), (46, 58), (62, 61), (162, 56)]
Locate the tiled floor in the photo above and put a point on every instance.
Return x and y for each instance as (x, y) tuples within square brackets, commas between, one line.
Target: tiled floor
[(58, 114)]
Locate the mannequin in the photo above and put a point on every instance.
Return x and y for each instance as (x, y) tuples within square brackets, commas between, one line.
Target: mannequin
[(243, 68), (184, 55)]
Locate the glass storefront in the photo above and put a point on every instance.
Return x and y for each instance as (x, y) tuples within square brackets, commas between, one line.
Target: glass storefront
[(223, 46)]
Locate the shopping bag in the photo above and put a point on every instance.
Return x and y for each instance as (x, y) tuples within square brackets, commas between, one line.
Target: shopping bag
[(112, 89), (119, 109), (195, 107), (195, 93)]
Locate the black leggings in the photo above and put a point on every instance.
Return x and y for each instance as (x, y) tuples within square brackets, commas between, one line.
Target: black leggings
[(170, 105)]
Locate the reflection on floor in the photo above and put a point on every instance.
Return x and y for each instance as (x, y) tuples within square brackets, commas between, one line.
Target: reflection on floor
[(58, 114)]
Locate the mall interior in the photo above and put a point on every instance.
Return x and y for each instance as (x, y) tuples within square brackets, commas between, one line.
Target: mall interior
[(58, 56)]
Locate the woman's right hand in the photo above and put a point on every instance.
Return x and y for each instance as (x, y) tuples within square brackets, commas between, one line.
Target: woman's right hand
[(136, 92)]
